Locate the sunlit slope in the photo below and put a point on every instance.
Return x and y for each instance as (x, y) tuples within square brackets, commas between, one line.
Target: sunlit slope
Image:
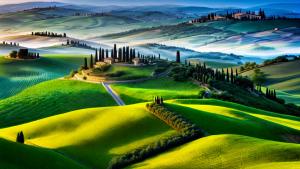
[(219, 117), (227, 152), (18, 156), (51, 98), (165, 87), (94, 136), (284, 77)]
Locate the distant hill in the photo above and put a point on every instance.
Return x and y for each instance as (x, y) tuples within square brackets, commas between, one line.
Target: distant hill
[(27, 5)]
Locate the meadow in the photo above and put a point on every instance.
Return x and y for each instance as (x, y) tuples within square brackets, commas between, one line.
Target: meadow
[(121, 72), (94, 136), (52, 98), (166, 87), (17, 75), (231, 144), (283, 77), (227, 152)]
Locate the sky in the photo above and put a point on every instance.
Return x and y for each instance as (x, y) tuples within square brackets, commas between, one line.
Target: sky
[(218, 3)]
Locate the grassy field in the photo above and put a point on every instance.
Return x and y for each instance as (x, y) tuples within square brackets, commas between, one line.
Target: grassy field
[(284, 77), (51, 98), (93, 136), (120, 72), (219, 117), (16, 75), (227, 152), (19, 156), (165, 87)]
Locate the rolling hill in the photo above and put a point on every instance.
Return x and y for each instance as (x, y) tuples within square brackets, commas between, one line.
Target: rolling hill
[(247, 38), (227, 152), (285, 78), (93, 136), (51, 98), (99, 134), (19, 156), (17, 75), (145, 91)]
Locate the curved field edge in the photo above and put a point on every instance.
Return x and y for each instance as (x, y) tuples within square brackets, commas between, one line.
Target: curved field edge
[(220, 117), (19, 156), (52, 98), (226, 151), (94, 136), (17, 75), (145, 91)]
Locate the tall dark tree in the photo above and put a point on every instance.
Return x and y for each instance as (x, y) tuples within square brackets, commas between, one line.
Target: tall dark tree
[(91, 62), (227, 75), (178, 56), (96, 56), (85, 65), (115, 56), (231, 76)]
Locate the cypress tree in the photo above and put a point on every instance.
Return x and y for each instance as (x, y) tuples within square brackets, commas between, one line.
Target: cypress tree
[(96, 56), (91, 62), (115, 51), (231, 78), (85, 66), (227, 75), (178, 56)]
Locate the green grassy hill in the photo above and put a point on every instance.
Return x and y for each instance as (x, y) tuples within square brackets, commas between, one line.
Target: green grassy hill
[(17, 75), (165, 87), (219, 117), (18, 156), (121, 72), (51, 98), (93, 136), (284, 77), (227, 152)]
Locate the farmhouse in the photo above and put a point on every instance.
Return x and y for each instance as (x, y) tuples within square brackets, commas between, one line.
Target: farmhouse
[(136, 61), (109, 61), (246, 16)]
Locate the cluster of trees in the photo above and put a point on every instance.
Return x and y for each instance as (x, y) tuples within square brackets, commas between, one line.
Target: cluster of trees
[(24, 54), (248, 15), (20, 137), (278, 59), (124, 54), (10, 43), (248, 66), (49, 34), (79, 44), (158, 100), (187, 132), (271, 94)]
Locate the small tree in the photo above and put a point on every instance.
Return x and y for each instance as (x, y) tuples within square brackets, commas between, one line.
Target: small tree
[(20, 137)]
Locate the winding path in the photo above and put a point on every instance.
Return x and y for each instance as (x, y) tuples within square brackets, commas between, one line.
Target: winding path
[(114, 95)]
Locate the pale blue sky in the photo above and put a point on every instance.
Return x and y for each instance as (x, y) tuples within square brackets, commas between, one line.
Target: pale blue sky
[(240, 3)]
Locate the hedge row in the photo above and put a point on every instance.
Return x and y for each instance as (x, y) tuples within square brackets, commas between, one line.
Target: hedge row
[(187, 132)]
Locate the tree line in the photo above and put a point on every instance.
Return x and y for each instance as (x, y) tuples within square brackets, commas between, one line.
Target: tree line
[(49, 34), (4, 43), (187, 132), (24, 54), (122, 55)]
